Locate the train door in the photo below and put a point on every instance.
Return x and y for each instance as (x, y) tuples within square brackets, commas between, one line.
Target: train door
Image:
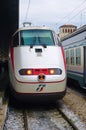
[(85, 64)]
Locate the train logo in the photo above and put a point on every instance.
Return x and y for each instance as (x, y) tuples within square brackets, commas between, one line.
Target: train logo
[(40, 87)]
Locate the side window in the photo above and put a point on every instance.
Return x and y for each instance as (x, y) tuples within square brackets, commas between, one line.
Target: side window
[(72, 57), (16, 40), (67, 56), (57, 39), (78, 56)]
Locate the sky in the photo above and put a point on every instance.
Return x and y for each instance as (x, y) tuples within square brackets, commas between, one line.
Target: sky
[(53, 13)]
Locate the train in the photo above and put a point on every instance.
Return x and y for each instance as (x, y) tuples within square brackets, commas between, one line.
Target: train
[(75, 50), (37, 66)]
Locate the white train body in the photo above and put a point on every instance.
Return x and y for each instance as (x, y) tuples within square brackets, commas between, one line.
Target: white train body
[(37, 69)]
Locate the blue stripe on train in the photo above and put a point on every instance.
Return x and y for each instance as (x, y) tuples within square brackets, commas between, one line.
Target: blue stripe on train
[(75, 72)]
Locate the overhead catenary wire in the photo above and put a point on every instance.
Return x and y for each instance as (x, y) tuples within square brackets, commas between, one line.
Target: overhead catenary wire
[(73, 11), (60, 21), (76, 15), (27, 11)]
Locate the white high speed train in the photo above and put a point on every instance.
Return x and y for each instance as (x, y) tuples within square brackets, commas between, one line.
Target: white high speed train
[(37, 67)]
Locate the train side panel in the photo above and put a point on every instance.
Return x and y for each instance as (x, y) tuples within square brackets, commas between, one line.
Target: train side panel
[(75, 49)]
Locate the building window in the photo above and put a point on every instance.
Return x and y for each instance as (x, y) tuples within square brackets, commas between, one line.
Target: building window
[(78, 56), (68, 30), (65, 30), (71, 31)]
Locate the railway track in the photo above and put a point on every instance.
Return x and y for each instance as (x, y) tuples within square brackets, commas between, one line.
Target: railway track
[(73, 120), (41, 118), (79, 91), (58, 117)]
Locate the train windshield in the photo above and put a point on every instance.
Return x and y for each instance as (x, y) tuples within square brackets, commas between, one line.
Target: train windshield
[(37, 37)]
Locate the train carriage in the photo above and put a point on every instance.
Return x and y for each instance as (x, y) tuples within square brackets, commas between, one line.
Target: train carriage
[(37, 64), (75, 50)]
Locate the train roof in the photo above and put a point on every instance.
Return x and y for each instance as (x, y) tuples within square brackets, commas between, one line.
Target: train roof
[(33, 27)]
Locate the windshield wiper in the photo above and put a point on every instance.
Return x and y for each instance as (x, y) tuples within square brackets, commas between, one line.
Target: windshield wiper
[(44, 45), (31, 46)]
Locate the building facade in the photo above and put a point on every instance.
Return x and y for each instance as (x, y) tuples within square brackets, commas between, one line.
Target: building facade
[(66, 29)]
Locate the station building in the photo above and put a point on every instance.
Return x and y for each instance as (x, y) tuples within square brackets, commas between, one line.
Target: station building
[(66, 29)]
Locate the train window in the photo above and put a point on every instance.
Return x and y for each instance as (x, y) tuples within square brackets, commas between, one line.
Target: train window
[(78, 56), (72, 57), (67, 56), (57, 39), (37, 37)]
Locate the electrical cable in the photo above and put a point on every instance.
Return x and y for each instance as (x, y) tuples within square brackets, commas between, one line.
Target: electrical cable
[(28, 7), (79, 6), (76, 15)]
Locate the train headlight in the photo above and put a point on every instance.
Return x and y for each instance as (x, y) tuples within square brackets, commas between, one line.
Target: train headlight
[(26, 72), (41, 72), (29, 72), (55, 71), (52, 71)]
